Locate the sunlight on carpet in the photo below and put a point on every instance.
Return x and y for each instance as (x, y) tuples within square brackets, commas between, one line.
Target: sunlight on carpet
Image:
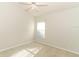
[(29, 52)]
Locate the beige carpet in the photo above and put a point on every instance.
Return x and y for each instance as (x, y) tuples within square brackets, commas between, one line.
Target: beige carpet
[(36, 50)]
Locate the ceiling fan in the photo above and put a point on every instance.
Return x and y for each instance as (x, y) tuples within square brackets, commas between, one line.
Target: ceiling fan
[(33, 5)]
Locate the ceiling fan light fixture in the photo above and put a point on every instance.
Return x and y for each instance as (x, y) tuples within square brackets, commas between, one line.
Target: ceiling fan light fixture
[(34, 6)]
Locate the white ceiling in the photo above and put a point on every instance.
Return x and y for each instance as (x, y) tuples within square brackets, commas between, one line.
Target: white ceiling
[(52, 6)]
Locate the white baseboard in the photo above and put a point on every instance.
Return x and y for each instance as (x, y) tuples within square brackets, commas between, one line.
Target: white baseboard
[(20, 44), (45, 43)]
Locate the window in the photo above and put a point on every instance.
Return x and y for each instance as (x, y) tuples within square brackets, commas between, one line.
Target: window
[(41, 29)]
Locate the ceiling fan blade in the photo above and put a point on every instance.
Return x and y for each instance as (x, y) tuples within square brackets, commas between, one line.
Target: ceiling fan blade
[(28, 9), (24, 3), (41, 5)]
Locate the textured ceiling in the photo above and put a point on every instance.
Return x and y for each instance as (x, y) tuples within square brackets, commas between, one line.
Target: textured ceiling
[(52, 7)]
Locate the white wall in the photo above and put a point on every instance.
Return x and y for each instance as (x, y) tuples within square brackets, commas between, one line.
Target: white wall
[(62, 29), (16, 26)]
